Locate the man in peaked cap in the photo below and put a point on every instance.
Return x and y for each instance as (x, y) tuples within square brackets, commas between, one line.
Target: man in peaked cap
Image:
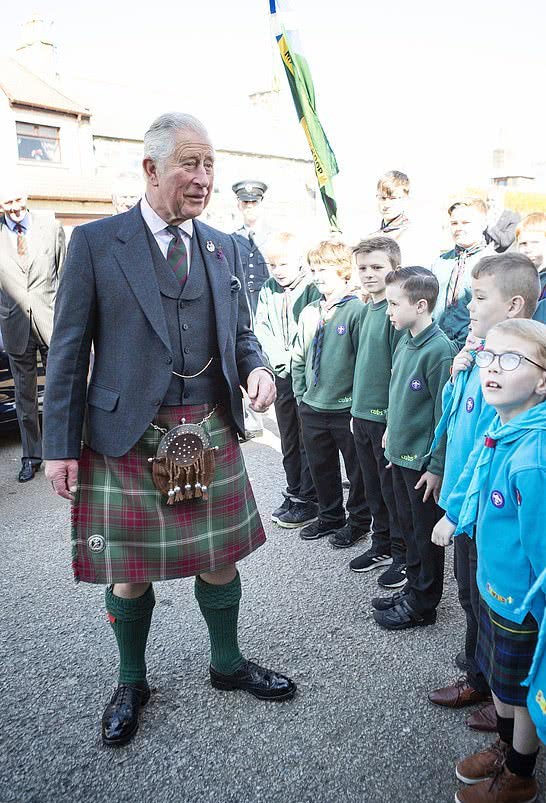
[(251, 237)]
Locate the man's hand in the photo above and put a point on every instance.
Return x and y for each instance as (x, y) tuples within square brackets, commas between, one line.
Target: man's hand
[(261, 390), (63, 476), (463, 360), (432, 483), (443, 532)]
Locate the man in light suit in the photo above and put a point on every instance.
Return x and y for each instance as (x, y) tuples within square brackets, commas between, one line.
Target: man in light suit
[(32, 249), (159, 296)]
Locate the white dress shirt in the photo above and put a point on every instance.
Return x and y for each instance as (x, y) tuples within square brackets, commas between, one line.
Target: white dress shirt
[(162, 237)]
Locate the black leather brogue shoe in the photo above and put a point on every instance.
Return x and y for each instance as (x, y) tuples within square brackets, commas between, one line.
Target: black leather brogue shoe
[(120, 718), (262, 683)]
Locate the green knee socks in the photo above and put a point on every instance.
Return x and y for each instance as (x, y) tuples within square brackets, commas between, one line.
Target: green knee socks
[(130, 620), (220, 608)]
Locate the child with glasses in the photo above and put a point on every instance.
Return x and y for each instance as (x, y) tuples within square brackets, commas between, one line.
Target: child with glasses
[(503, 286), (506, 501)]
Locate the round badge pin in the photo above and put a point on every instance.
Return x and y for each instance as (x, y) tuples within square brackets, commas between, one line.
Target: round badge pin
[(469, 404), (497, 498), (416, 384), (210, 246)]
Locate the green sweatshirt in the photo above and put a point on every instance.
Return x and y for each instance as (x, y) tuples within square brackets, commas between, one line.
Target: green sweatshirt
[(334, 390), (378, 340), (420, 370), (276, 335)]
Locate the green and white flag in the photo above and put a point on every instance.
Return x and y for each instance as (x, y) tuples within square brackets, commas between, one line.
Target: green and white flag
[(303, 94)]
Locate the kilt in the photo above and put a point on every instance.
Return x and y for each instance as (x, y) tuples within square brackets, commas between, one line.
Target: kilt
[(123, 531), (505, 652)]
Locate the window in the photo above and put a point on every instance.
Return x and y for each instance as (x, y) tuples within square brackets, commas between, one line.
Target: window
[(38, 142)]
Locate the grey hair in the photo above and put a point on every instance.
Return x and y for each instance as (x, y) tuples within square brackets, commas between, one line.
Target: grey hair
[(160, 138)]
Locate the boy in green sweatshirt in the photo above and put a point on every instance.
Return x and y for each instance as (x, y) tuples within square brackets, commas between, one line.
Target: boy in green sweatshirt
[(323, 361), (374, 258), (421, 365)]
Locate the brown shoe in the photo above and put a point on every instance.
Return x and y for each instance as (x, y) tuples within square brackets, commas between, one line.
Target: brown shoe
[(505, 787), (480, 766), (484, 719), (458, 695)]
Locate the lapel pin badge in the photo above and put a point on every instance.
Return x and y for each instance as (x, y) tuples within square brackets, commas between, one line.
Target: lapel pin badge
[(210, 246)]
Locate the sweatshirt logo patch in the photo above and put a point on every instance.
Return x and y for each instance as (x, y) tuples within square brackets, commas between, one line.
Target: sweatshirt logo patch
[(541, 700), (341, 329), (416, 384), (497, 596), (469, 404), (497, 498), (518, 496)]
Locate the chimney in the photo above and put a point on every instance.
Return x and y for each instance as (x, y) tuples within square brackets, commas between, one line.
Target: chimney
[(37, 51)]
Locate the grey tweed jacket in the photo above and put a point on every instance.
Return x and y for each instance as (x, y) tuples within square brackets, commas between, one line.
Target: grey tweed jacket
[(109, 299)]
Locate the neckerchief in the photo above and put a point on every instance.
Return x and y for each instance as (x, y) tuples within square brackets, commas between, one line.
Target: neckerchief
[(447, 421), (457, 272), (531, 420), (397, 224), (318, 339)]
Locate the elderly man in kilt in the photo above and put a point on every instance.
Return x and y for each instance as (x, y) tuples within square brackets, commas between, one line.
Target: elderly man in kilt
[(160, 299)]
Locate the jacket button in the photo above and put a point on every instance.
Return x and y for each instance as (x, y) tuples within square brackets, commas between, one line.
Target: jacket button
[(250, 264), (251, 276), (169, 360), (251, 255), (156, 403), (185, 326), (186, 350), (186, 395), (181, 304)]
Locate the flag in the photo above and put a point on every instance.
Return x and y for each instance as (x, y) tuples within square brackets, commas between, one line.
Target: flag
[(303, 95)]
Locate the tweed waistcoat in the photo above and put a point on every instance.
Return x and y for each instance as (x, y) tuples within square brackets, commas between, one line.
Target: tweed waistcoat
[(191, 324)]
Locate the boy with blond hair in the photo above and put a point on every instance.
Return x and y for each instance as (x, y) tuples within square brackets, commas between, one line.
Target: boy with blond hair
[(323, 363), (280, 302)]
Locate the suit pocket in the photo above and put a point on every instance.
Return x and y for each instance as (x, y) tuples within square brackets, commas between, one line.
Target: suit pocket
[(103, 398)]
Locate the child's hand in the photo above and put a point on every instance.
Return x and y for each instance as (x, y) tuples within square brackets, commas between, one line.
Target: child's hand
[(384, 440), (432, 483), (443, 532), (463, 361)]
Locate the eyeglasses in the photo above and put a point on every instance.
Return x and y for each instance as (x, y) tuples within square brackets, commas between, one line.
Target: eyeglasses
[(508, 360)]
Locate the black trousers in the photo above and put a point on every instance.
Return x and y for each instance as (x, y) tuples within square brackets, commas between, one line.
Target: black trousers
[(387, 538), (24, 368), (424, 560), (299, 483), (325, 434), (465, 559)]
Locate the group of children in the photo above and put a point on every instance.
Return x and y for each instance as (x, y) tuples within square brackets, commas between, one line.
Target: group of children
[(432, 389)]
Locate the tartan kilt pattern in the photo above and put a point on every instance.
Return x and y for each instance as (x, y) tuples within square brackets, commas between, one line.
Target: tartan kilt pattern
[(504, 653), (140, 537)]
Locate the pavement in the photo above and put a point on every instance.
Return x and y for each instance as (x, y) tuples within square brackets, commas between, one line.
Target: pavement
[(359, 730)]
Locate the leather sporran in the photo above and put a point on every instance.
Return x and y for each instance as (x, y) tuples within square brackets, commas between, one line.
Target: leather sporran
[(183, 467)]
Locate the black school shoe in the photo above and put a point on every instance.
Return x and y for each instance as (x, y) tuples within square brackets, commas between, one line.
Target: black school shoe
[(384, 603), (299, 514), (318, 529), (347, 536), (369, 560), (281, 510), (120, 718), (394, 577), (262, 683), (402, 616)]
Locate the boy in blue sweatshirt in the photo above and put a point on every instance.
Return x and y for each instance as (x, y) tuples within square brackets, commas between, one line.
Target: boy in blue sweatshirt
[(503, 286), (506, 502)]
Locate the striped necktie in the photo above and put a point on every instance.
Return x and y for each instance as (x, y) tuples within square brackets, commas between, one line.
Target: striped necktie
[(177, 255), (21, 240)]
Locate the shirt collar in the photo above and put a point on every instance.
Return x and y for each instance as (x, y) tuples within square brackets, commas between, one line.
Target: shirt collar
[(157, 224), (11, 223)]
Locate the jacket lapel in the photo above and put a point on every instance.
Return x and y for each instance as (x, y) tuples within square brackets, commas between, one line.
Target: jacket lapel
[(132, 252), (219, 275)]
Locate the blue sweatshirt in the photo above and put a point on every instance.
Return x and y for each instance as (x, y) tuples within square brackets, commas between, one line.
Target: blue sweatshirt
[(536, 699), (472, 419), (511, 515)]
